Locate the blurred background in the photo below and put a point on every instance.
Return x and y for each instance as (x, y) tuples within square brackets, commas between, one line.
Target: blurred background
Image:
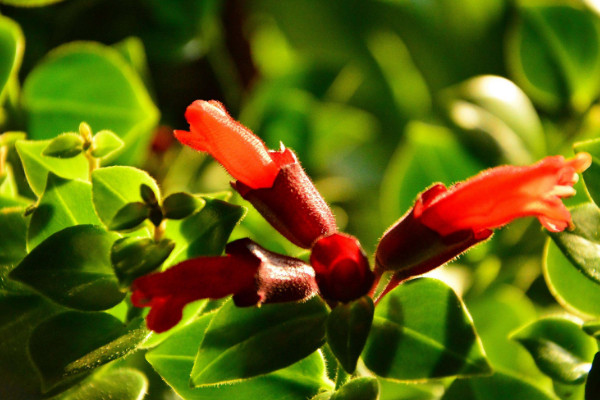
[(379, 99)]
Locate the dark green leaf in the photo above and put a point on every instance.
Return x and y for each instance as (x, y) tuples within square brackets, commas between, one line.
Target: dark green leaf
[(582, 245), (242, 343), (105, 144), (422, 330), (11, 50), (129, 216), (592, 328), (37, 166), (348, 326), (592, 386), (73, 343), (65, 145), (554, 55), (203, 233), (358, 389), (570, 287), (122, 384), (181, 205), (559, 348), (133, 257), (107, 94), (13, 231), (114, 187), (64, 203), (500, 386), (78, 273), (591, 176), (174, 359)]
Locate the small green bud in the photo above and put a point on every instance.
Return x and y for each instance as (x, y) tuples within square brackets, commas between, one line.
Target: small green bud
[(105, 144), (86, 133), (133, 257), (148, 195), (66, 145), (129, 216), (180, 205)]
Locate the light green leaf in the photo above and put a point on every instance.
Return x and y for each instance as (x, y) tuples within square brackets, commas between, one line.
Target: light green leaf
[(114, 187), (87, 81), (37, 166), (29, 3), (65, 145), (559, 348), (422, 330), (122, 384), (12, 44), (73, 268), (241, 343), (93, 340), (174, 359), (105, 144), (358, 389), (64, 203), (573, 290), (591, 176)]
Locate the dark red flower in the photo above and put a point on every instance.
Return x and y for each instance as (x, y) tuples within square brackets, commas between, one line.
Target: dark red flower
[(445, 222), (250, 273), (341, 267), (273, 181)]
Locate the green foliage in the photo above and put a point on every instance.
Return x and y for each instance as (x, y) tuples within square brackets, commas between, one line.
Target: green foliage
[(11, 51), (122, 384)]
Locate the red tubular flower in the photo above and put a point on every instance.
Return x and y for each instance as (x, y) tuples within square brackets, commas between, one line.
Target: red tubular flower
[(273, 181), (446, 222), (341, 267), (252, 274)]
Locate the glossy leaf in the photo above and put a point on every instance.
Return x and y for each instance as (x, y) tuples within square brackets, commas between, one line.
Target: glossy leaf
[(65, 145), (64, 203), (129, 216), (242, 343), (181, 205), (133, 257), (106, 144), (37, 166), (12, 44), (114, 187), (582, 244), (13, 234), (174, 359), (591, 176), (500, 386), (203, 233), (121, 384), (571, 288), (422, 330), (554, 55), (114, 97), (94, 340), (78, 274), (348, 326), (358, 389), (559, 348)]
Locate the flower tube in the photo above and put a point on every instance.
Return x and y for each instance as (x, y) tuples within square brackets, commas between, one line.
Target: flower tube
[(273, 181), (445, 222)]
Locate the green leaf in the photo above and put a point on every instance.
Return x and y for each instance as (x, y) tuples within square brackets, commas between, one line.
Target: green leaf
[(64, 203), (203, 233), (494, 112), (573, 290), (106, 93), (93, 340), (500, 386), (242, 343), (73, 268), (114, 187), (122, 384), (430, 154), (174, 359), (106, 144), (65, 145), (13, 233), (554, 55), (19, 315), (129, 216), (592, 386), (559, 348), (12, 44), (348, 326), (133, 257), (181, 205), (396, 390), (591, 176), (582, 245), (422, 330), (592, 328), (358, 389), (37, 166)]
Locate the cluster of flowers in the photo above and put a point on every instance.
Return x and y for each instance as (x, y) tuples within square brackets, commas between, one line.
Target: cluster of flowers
[(443, 223)]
